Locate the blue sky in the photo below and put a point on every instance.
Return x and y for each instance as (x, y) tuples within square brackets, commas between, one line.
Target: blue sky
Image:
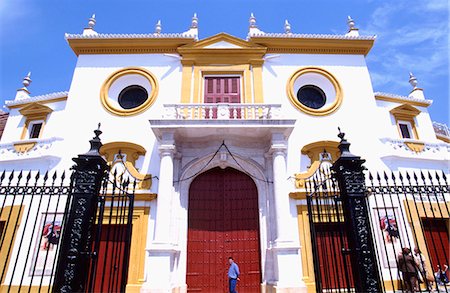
[(411, 35)]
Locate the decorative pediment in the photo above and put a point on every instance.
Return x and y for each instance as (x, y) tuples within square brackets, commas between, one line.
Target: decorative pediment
[(35, 109), (220, 40), (405, 111), (223, 49)]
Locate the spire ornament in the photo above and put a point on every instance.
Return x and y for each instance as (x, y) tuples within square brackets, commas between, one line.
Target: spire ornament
[(413, 80), (287, 27), (350, 23), (92, 22), (26, 82), (194, 23), (158, 27), (89, 31), (252, 21)]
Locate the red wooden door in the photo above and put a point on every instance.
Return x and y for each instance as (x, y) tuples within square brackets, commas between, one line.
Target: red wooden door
[(335, 268), (108, 273), (437, 239), (223, 221), (222, 90)]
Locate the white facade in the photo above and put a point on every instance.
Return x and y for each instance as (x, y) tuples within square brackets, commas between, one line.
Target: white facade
[(179, 147)]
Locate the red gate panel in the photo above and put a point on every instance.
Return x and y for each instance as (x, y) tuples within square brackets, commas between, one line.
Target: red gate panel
[(223, 221), (437, 239)]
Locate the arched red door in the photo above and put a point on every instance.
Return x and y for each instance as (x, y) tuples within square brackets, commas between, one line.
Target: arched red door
[(223, 221)]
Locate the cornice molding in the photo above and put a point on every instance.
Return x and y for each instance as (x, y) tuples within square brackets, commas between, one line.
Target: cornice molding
[(402, 99), (127, 45), (314, 44), (42, 99)]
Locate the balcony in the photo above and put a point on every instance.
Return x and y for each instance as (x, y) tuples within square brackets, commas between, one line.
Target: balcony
[(442, 131), (222, 121), (37, 149), (414, 149), (222, 111)]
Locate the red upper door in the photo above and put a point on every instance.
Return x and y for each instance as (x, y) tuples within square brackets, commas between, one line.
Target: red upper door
[(222, 90), (223, 221)]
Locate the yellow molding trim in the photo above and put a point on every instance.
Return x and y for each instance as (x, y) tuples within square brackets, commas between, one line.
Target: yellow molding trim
[(298, 195), (415, 146), (133, 152), (222, 37), (35, 109), (23, 147), (443, 138), (313, 150), (405, 110), (104, 96), (304, 233), (40, 102), (314, 46), (8, 234), (314, 112), (127, 45), (300, 178), (401, 101), (257, 83)]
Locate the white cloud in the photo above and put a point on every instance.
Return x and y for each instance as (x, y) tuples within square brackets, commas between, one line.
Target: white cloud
[(412, 37)]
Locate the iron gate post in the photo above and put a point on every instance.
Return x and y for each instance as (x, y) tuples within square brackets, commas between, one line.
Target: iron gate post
[(348, 170), (74, 256)]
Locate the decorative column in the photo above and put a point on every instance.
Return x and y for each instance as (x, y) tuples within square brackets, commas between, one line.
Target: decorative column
[(348, 170), (161, 252), (280, 193), (72, 270), (285, 249)]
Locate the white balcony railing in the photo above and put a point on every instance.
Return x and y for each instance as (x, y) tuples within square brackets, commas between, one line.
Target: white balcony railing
[(222, 111), (29, 149)]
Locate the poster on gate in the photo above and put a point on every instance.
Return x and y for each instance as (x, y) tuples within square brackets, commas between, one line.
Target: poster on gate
[(390, 235), (46, 247)]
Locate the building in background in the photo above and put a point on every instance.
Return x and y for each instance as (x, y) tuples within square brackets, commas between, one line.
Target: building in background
[(222, 134)]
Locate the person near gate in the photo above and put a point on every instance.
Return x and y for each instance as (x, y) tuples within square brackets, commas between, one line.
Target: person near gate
[(408, 267), (233, 275)]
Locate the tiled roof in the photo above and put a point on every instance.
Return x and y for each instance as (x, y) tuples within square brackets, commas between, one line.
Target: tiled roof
[(311, 36), (129, 36), (40, 98), (3, 118)]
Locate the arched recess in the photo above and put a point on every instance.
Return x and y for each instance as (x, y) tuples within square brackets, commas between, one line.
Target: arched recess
[(188, 174)]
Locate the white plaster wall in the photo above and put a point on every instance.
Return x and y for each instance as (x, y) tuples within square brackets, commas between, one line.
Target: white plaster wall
[(357, 115)]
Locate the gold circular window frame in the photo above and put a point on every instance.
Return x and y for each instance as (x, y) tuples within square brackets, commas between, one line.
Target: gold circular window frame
[(104, 97), (315, 112)]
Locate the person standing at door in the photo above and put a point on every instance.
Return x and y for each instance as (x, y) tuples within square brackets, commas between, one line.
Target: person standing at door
[(233, 275)]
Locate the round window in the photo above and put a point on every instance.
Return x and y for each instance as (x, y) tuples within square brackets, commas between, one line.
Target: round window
[(132, 97), (311, 96)]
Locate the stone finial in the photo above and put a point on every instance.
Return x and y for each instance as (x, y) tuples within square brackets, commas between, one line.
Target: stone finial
[(158, 27), (412, 80), (89, 31), (287, 27), (252, 20), (91, 22), (23, 92), (350, 23), (27, 80), (352, 30), (194, 23)]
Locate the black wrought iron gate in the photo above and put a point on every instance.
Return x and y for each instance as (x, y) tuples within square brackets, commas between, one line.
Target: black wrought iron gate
[(362, 237), (66, 236)]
